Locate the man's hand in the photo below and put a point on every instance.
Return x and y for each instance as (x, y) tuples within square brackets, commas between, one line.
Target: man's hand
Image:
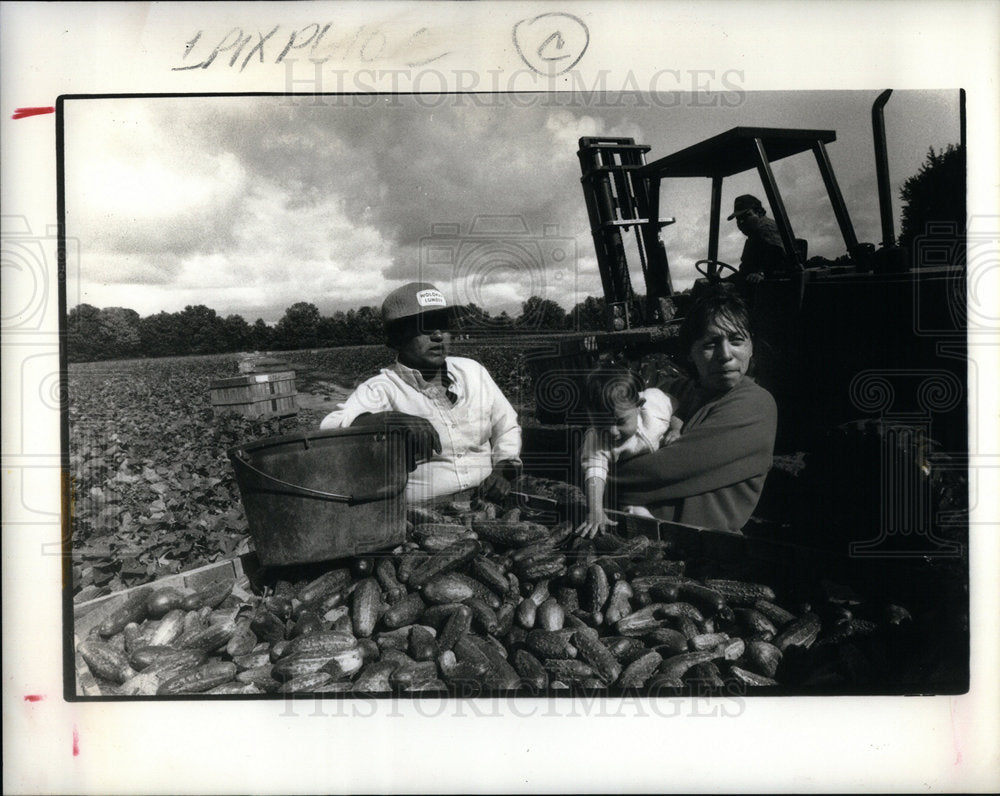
[(421, 439), (754, 278), (595, 523), (497, 484)]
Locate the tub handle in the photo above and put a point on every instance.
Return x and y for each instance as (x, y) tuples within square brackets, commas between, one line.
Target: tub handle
[(384, 492)]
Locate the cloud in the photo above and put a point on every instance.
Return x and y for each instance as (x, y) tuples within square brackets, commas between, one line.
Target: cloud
[(324, 257), (218, 222), (567, 128), (249, 204), (135, 188)]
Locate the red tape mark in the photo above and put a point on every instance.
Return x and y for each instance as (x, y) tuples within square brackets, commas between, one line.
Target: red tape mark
[(76, 742), (34, 697), (22, 113)]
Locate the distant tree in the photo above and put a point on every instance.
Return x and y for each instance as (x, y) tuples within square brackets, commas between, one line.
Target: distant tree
[(368, 321), (203, 330), (349, 333), (933, 218), (331, 330), (161, 335), (504, 321), (262, 335), (119, 333), (362, 326), (299, 328), (83, 333), (237, 334), (473, 318), (539, 313), (109, 333), (588, 315)]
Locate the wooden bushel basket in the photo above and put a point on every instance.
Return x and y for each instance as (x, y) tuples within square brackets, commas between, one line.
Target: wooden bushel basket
[(256, 395)]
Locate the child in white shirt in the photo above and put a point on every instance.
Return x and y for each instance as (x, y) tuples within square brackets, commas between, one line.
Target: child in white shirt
[(626, 421)]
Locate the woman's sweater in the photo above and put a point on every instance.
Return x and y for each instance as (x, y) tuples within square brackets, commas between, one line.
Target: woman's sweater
[(713, 475)]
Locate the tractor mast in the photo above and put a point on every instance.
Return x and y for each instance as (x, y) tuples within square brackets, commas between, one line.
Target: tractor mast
[(619, 201)]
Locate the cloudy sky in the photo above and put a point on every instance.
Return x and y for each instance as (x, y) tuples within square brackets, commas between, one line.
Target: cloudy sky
[(250, 204)]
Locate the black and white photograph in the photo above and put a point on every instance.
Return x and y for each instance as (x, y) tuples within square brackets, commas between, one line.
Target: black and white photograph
[(634, 391), (451, 396)]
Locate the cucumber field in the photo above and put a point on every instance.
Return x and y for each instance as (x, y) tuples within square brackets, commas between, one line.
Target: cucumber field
[(153, 493)]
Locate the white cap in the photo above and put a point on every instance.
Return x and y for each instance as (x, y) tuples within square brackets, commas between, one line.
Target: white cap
[(414, 298)]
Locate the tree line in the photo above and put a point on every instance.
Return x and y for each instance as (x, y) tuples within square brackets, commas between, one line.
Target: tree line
[(121, 333), (932, 227), (934, 212)]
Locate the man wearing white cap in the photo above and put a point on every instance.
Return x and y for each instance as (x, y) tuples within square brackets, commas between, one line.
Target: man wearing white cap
[(460, 424)]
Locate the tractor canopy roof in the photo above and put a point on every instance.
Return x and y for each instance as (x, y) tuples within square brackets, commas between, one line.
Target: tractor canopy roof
[(735, 151)]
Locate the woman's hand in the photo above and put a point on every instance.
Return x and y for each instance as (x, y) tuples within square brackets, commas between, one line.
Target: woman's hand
[(672, 435), (595, 523)]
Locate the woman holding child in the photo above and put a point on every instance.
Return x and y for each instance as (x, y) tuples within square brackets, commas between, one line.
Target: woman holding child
[(707, 471)]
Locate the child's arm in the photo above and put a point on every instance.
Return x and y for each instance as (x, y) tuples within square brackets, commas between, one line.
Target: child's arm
[(596, 460), (596, 520), (673, 431)]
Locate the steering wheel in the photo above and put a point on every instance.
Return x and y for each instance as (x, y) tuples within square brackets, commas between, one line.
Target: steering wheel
[(719, 266)]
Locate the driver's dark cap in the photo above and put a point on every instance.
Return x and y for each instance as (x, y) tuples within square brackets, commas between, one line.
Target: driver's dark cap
[(744, 203)]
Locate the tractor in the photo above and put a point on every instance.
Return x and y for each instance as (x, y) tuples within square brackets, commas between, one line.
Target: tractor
[(865, 354)]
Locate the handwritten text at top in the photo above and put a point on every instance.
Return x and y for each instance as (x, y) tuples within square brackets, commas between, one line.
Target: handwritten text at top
[(318, 42)]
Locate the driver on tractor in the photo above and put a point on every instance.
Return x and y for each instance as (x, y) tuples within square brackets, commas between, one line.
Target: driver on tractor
[(763, 253)]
